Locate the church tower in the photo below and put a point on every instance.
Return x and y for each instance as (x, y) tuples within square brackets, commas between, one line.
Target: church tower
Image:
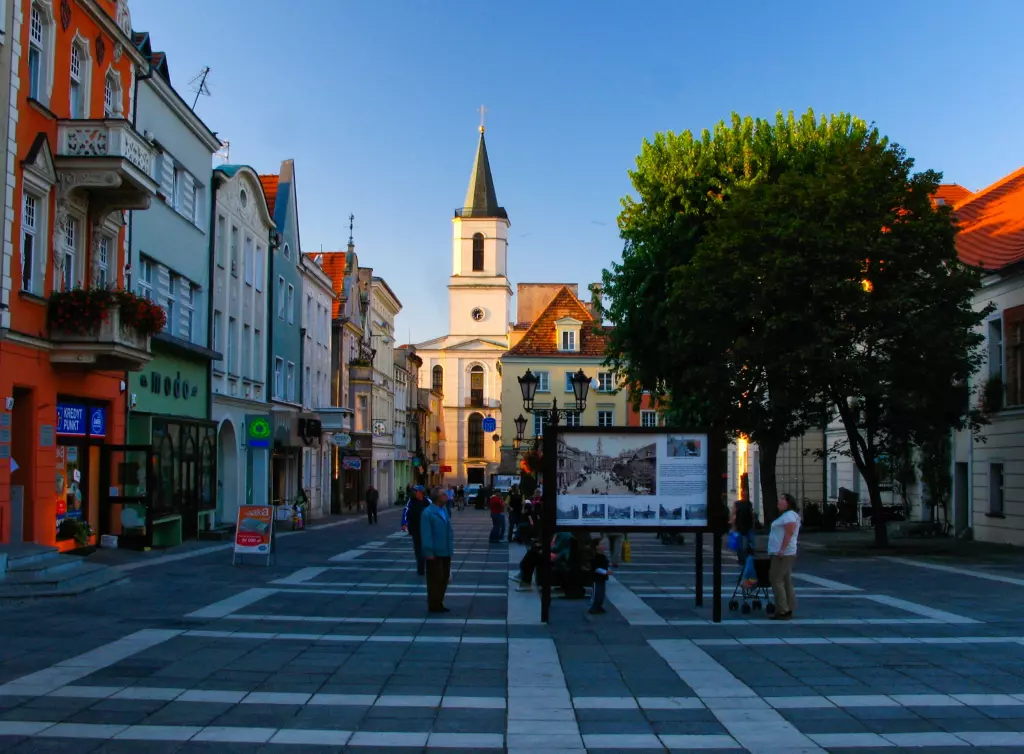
[(479, 293)]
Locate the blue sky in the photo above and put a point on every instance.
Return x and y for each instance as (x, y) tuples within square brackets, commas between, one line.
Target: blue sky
[(377, 100)]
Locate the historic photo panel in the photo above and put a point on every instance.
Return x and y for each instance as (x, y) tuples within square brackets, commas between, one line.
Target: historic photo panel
[(632, 480)]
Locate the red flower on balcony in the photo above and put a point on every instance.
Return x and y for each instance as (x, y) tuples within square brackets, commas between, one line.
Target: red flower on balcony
[(81, 310)]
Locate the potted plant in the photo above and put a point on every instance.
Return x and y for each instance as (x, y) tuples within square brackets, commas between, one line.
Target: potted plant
[(76, 529), (85, 311), (992, 395)]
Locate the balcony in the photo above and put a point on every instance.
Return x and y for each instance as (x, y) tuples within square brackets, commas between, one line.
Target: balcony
[(111, 345), (335, 419), (360, 373), (109, 160)]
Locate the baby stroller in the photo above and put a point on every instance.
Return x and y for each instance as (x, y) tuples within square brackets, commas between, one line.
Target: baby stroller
[(753, 586)]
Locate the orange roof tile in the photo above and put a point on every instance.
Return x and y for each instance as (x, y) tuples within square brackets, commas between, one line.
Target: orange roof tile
[(333, 264), (269, 183), (950, 193), (992, 224), (541, 338)]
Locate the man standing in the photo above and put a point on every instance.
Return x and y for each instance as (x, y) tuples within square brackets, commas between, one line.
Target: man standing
[(413, 521), (497, 506), (372, 496), (438, 544), (515, 511)]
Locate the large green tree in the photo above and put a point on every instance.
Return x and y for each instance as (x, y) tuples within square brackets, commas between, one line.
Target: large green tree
[(698, 316)]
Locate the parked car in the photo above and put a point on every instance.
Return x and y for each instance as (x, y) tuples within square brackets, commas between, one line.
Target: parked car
[(473, 491)]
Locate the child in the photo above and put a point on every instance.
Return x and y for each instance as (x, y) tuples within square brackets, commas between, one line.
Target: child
[(600, 569)]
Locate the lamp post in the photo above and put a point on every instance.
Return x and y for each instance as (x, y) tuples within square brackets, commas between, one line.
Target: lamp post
[(528, 384)]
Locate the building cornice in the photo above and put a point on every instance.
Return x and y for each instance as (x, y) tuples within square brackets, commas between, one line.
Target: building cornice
[(109, 25)]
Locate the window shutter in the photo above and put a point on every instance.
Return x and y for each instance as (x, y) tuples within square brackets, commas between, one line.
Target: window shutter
[(188, 200), (167, 178), (1013, 343)]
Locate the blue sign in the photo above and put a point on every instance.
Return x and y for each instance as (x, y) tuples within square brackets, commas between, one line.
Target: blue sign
[(97, 422), (78, 421), (490, 424), (71, 420)]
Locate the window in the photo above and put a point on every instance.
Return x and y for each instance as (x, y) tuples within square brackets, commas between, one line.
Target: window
[(995, 348), (246, 368), (31, 278), (476, 387), (216, 331), (197, 203), (318, 389), (234, 251), (539, 423), (77, 94), (306, 387), (1012, 344), (543, 382), (145, 284), (291, 382), (248, 260), (259, 272), (572, 419), (833, 480), (605, 418), (278, 377), (568, 340), (437, 378), (111, 96), (478, 252), (103, 262), (475, 436), (172, 326), (232, 327), (604, 382), (37, 52), (221, 239), (995, 489), (648, 418), (568, 382), (309, 317), (67, 255), (187, 309), (291, 303), (362, 414), (287, 252), (257, 355), (280, 297)]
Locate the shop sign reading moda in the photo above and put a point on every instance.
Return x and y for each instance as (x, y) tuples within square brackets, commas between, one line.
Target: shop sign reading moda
[(254, 533)]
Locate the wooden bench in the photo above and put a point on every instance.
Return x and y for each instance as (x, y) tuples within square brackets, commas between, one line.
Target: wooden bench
[(167, 531)]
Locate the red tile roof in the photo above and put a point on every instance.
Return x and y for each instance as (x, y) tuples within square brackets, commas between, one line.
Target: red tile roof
[(992, 224), (334, 266), (950, 193), (269, 183), (541, 338)]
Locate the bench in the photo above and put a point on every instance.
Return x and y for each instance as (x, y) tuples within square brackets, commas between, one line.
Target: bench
[(167, 531)]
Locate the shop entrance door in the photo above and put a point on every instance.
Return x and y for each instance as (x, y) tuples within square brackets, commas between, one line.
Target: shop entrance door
[(189, 492), (126, 494)]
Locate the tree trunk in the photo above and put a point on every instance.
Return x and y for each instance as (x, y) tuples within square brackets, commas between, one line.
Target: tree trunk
[(878, 515), (768, 453)]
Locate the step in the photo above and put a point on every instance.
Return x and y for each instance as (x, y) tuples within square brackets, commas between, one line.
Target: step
[(67, 569), (17, 556), (93, 579)]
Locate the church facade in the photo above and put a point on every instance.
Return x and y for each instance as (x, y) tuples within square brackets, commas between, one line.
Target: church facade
[(465, 364)]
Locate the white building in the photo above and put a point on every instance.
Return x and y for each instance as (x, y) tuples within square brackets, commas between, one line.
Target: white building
[(402, 392), (384, 307), (317, 295), (464, 363), (242, 229)]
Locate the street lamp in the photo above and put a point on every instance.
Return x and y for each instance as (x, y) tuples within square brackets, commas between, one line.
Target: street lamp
[(528, 384)]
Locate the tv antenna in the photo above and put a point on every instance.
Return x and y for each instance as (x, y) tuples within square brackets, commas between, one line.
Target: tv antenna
[(198, 85), (224, 153)]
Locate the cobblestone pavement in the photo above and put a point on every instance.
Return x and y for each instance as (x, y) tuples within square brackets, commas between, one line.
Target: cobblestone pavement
[(331, 649)]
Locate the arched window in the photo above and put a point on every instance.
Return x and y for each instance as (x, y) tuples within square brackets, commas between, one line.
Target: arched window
[(475, 442), (478, 252), (437, 378), (476, 387), (112, 105), (40, 51)]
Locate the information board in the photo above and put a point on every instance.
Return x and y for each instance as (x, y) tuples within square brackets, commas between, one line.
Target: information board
[(254, 532), (632, 480)]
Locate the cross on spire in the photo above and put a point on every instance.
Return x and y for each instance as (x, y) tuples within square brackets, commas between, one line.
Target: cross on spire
[(483, 112), (351, 223)]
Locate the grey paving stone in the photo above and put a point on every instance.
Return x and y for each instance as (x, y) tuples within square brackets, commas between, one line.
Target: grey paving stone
[(469, 721), (188, 713)]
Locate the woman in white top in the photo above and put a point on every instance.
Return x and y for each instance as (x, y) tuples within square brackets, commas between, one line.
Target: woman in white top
[(782, 549)]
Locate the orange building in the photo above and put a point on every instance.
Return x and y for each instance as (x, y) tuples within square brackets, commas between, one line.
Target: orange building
[(80, 165), (646, 416)]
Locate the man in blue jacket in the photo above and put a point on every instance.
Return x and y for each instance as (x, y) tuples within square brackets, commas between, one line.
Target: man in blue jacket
[(437, 543)]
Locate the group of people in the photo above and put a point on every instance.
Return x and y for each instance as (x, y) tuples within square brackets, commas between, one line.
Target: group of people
[(519, 510)]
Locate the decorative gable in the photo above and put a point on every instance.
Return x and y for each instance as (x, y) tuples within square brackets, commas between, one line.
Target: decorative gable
[(38, 164)]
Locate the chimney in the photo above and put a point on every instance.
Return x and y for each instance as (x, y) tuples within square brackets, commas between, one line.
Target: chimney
[(596, 291)]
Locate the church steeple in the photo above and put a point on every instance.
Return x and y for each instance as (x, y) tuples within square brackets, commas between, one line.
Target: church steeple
[(481, 199)]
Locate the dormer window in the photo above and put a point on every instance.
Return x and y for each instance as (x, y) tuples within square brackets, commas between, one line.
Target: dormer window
[(567, 333)]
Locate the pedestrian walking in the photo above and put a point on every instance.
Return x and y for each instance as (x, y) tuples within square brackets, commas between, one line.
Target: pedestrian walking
[(515, 511), (372, 497), (450, 503), (782, 541), (614, 547), (742, 522), (600, 570), (417, 506), (437, 544), (497, 506)]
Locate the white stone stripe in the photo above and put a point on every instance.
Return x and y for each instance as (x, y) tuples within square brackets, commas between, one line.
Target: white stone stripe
[(421, 639), (633, 609), (52, 678), (804, 622), (420, 591), (541, 715), (242, 696), (755, 725), (922, 610), (805, 640), (227, 606), (300, 576), (369, 620), (836, 585)]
